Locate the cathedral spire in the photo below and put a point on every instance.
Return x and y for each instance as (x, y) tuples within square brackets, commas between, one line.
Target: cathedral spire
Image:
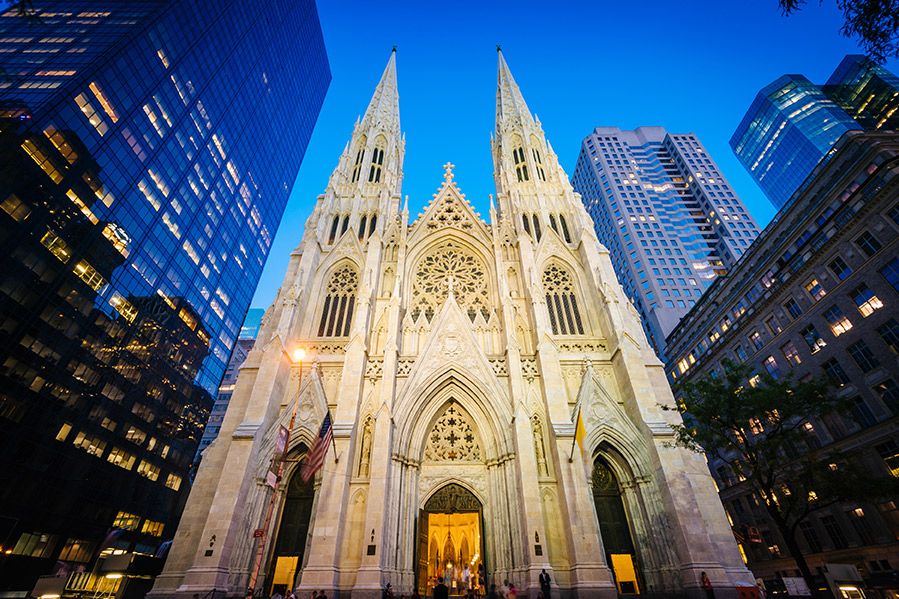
[(384, 109), (509, 101)]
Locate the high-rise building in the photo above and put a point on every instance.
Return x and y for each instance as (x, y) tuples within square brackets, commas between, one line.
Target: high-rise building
[(817, 296), (669, 218), (451, 353), (148, 149), (242, 347), (793, 123)]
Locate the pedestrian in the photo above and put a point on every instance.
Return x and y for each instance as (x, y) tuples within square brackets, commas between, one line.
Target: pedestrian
[(707, 586), (290, 595), (466, 578), (504, 590), (513, 592), (545, 580), (441, 591), (388, 592), (276, 594)]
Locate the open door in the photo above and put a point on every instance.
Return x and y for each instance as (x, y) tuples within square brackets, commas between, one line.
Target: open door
[(422, 556)]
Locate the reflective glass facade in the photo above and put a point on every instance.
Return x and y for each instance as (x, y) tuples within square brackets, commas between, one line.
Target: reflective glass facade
[(793, 123), (148, 150), (669, 218)]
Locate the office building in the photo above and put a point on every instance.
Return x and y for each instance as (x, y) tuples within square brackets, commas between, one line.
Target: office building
[(242, 347), (793, 123), (148, 149), (670, 220), (817, 296)]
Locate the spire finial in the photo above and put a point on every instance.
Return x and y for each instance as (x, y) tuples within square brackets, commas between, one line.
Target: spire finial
[(393, 49), (499, 48), (448, 175)]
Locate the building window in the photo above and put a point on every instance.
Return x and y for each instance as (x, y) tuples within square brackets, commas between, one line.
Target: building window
[(833, 531), (526, 223), (815, 289), (863, 356), (756, 340), (76, 550), (538, 163), (35, 544), (890, 272), (835, 372), (360, 156), (868, 244), (889, 331), (811, 536), (337, 312), (793, 308), (865, 300), (860, 524), (838, 322), (564, 225), (889, 453), (791, 353), (120, 458), (771, 366), (812, 338), (92, 445), (42, 161), (862, 413), (773, 325), (126, 521), (839, 268), (740, 351), (521, 167), (16, 208), (888, 391), (561, 302), (377, 162), (151, 527), (148, 470)]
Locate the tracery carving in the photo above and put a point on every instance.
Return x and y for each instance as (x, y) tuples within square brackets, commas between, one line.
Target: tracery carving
[(450, 265), (453, 498), (452, 439), (449, 213)]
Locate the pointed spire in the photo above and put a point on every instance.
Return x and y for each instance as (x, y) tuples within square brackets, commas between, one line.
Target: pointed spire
[(384, 108), (509, 101)]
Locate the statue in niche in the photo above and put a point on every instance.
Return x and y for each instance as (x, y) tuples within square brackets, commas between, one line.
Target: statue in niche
[(514, 291), (365, 453), (387, 285), (539, 448)]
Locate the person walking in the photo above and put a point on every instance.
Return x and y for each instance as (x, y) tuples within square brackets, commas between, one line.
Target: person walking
[(707, 586), (545, 581)]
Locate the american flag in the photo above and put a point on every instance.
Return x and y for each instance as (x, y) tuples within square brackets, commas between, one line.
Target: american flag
[(316, 456)]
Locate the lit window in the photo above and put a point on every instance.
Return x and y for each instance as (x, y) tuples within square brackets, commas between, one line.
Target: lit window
[(91, 113), (173, 482), (815, 289), (812, 338), (126, 521), (104, 102), (148, 470), (60, 143), (865, 300), (121, 458), (123, 307), (771, 366), (89, 275), (79, 203), (42, 161), (15, 207), (791, 353), (838, 322), (151, 527), (57, 246), (64, 431), (92, 445)]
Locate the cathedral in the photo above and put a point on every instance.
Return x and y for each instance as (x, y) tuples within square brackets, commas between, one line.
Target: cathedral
[(495, 403)]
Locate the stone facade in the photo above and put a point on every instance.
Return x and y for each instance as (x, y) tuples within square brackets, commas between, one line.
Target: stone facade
[(453, 355)]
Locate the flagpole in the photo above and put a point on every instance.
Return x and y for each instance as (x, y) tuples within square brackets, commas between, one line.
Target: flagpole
[(574, 439), (333, 442), (298, 356)]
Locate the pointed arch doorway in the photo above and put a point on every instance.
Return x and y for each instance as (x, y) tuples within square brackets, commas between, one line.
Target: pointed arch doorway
[(450, 535), (614, 528), (293, 528)]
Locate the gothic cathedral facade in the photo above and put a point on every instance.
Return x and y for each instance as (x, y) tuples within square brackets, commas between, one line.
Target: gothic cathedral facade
[(495, 402)]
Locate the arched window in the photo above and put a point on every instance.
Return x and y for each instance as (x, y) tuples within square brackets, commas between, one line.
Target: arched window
[(539, 165), (565, 232), (564, 316), (371, 224), (537, 232), (521, 167), (334, 224), (357, 167), (526, 223), (552, 223), (362, 222), (337, 312), (346, 223), (377, 161)]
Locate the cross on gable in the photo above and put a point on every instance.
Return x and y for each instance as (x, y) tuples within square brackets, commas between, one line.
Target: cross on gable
[(448, 175)]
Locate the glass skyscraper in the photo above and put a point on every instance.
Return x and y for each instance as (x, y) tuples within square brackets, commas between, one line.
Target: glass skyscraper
[(793, 123), (667, 215), (148, 150)]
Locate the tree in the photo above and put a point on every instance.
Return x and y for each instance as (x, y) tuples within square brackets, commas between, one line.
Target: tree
[(875, 24), (763, 430)]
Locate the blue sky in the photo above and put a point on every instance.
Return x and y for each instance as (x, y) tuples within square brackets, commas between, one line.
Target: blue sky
[(688, 66)]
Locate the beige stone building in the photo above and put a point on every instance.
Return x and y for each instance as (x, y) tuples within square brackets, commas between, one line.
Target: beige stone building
[(454, 355)]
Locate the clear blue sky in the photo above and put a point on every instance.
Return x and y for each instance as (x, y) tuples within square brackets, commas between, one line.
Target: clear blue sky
[(688, 66)]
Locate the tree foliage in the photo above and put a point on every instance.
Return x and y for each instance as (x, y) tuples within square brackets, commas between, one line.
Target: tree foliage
[(874, 23), (764, 433)]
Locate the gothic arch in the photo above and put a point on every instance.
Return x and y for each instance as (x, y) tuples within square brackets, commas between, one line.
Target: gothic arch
[(443, 483), (568, 313), (489, 415)]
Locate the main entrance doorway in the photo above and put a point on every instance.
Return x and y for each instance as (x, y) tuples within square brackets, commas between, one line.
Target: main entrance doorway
[(290, 543), (614, 527), (451, 542)]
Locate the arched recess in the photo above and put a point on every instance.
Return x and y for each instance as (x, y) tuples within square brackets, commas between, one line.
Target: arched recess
[(615, 526), (337, 300), (566, 302), (291, 532)]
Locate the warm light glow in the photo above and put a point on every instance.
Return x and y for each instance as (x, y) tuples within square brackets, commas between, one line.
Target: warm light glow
[(113, 576), (298, 354), (50, 596)]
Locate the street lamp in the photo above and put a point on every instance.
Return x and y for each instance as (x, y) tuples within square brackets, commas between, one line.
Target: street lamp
[(296, 356)]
